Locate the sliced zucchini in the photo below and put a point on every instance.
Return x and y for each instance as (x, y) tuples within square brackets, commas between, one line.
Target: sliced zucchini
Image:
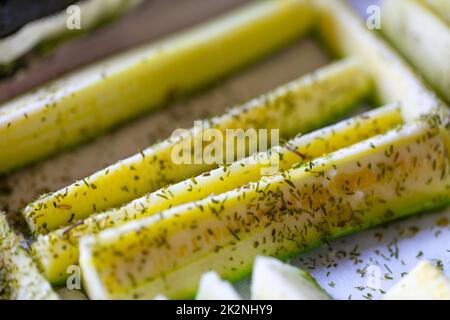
[(394, 79), (380, 179), (58, 250), (300, 106), (88, 102), (20, 277), (211, 287), (92, 13), (422, 37), (275, 280), (424, 282)]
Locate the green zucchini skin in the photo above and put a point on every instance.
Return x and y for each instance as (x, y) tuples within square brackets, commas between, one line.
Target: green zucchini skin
[(383, 178), (394, 79), (19, 275), (88, 102)]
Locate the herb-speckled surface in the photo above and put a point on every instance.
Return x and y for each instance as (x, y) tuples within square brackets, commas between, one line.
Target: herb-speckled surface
[(345, 268)]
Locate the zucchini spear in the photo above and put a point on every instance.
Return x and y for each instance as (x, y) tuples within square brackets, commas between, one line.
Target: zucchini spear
[(380, 179), (300, 106), (424, 282), (19, 275), (394, 79), (97, 98), (422, 37), (58, 250)]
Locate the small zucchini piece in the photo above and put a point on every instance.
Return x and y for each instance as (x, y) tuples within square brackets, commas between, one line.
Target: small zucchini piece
[(88, 102), (19, 276), (58, 250), (394, 78), (386, 177), (275, 280), (211, 287), (300, 106), (422, 37), (424, 282)]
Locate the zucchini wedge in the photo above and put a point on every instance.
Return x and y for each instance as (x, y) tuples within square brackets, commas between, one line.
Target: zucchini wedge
[(57, 250), (275, 280), (441, 7), (19, 275), (97, 98), (422, 37), (299, 106), (52, 27), (424, 282), (211, 287), (386, 177), (394, 79)]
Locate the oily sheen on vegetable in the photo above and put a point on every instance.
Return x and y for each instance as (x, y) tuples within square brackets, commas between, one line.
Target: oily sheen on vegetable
[(390, 176), (300, 106), (18, 272), (88, 102), (58, 250)]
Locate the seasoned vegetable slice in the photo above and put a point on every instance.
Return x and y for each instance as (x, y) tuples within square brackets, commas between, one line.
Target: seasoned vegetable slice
[(275, 280), (422, 37), (300, 106), (58, 250), (424, 282), (211, 287), (97, 98), (386, 177)]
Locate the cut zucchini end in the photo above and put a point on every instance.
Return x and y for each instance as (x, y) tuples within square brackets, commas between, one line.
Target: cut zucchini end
[(275, 280), (212, 287)]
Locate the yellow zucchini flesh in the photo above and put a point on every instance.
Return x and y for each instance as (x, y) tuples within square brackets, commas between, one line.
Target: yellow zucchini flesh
[(394, 78), (19, 275), (441, 7), (86, 103), (424, 282), (422, 37), (275, 280), (58, 250), (390, 176), (297, 107)]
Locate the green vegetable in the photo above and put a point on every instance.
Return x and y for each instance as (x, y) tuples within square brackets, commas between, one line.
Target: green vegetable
[(424, 282), (88, 102), (380, 179), (274, 280), (211, 287), (300, 106), (344, 33), (422, 37), (19, 276)]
